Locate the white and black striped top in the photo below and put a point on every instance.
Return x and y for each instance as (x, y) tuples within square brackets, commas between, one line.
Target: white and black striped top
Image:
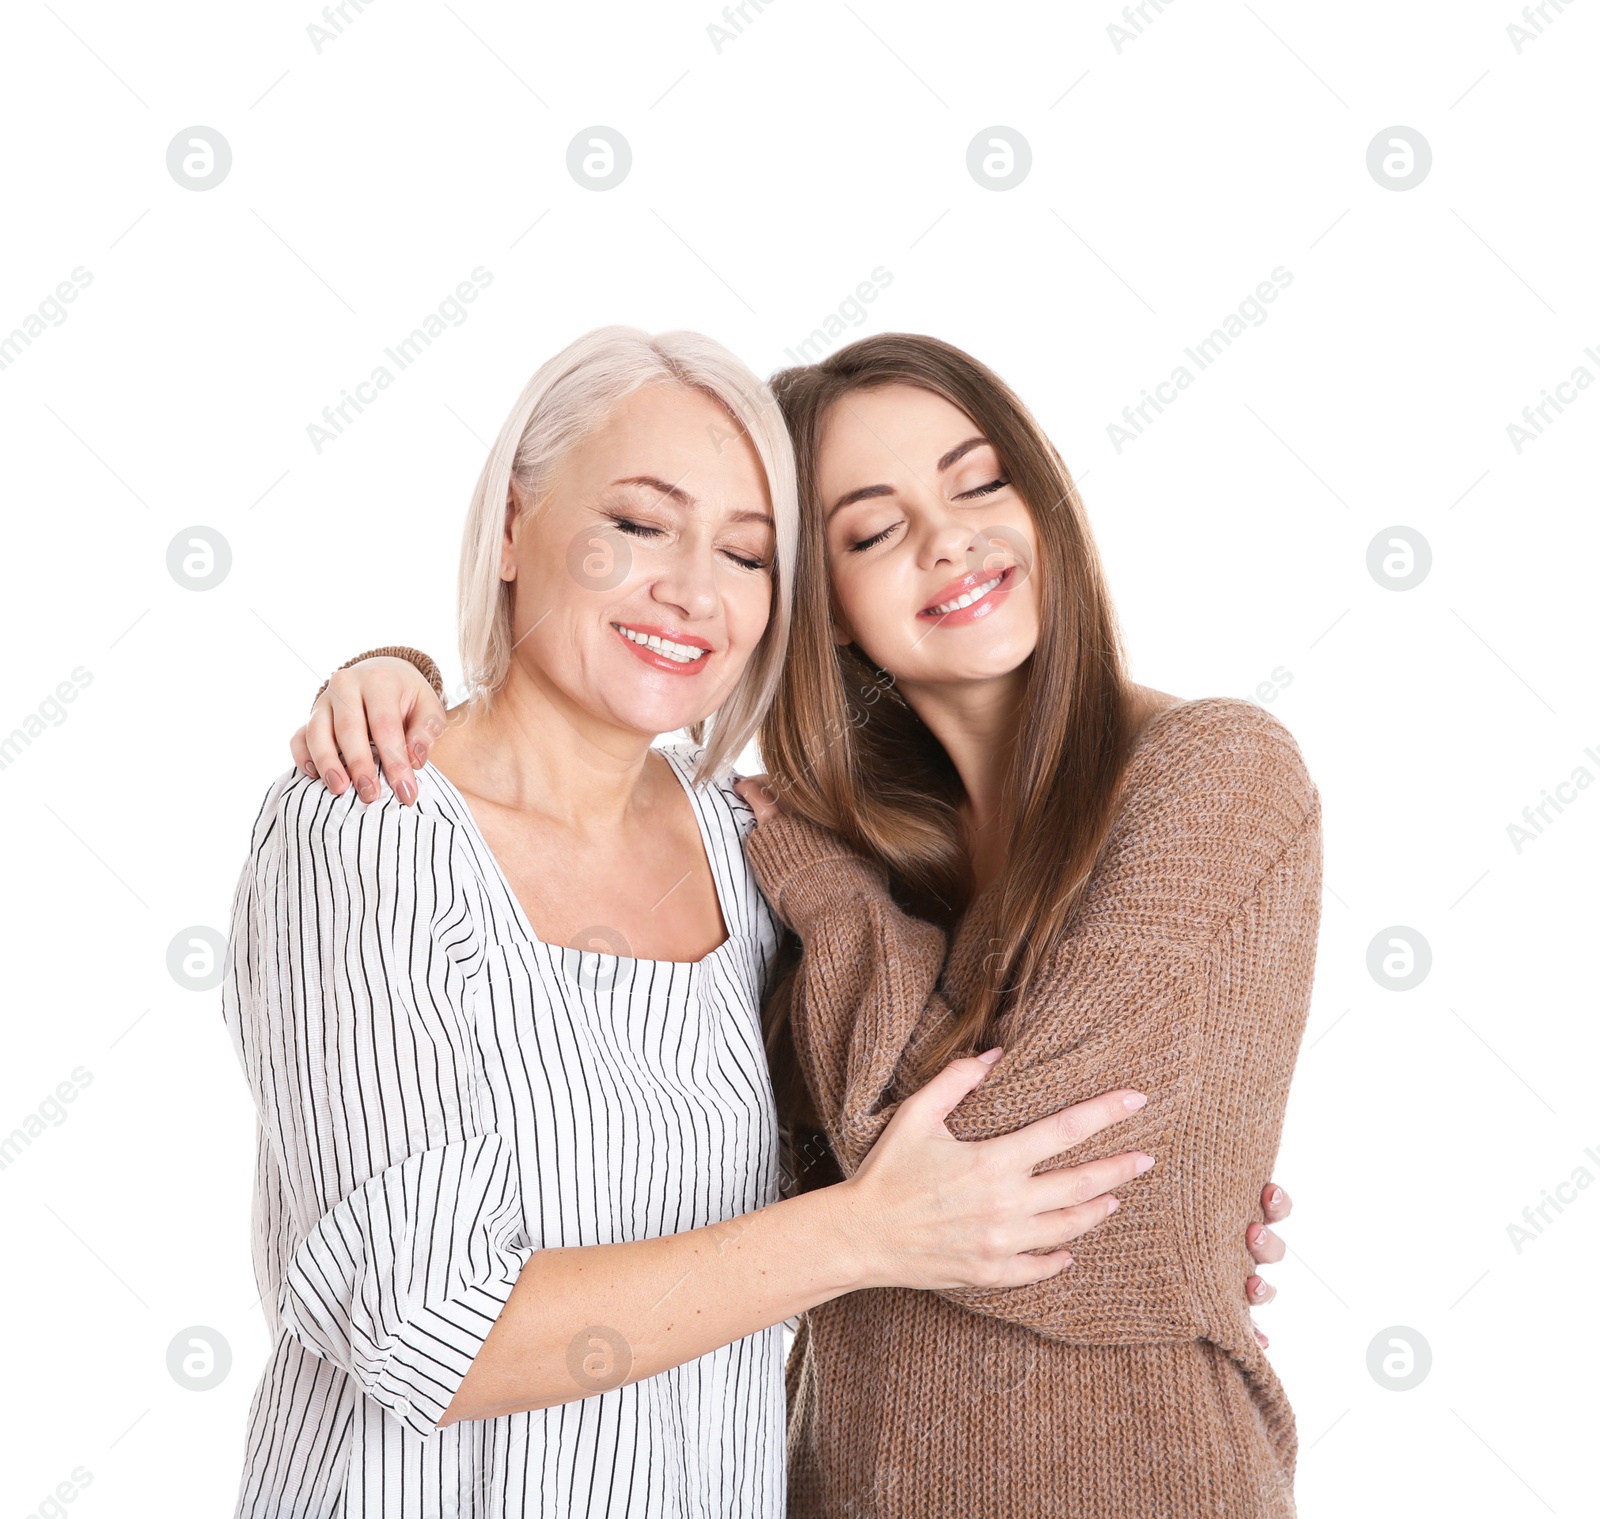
[(439, 1095)]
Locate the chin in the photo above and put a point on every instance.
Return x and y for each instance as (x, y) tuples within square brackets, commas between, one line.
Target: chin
[(647, 712), (996, 660)]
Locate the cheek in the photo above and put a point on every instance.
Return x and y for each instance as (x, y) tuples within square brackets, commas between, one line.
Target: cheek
[(871, 601), (849, 594), (746, 610)]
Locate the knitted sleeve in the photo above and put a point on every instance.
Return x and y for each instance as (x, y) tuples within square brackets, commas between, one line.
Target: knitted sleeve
[(1185, 974), (424, 664)]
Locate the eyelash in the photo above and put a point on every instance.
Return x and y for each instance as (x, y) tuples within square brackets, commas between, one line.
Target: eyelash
[(644, 530), (981, 490), (985, 490)]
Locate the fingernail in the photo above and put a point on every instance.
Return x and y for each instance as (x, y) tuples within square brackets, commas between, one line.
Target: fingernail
[(1277, 1196), (1111, 1206), (333, 779), (1134, 1101), (309, 769), (365, 789), (988, 1057), (1069, 1261), (406, 790), (1143, 1164)]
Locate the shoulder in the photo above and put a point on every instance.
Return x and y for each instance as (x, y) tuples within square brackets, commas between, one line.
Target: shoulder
[(329, 873), (1232, 752), (1215, 795), (715, 793), (301, 820)]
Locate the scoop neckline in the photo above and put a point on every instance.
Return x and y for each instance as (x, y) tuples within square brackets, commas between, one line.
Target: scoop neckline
[(520, 916)]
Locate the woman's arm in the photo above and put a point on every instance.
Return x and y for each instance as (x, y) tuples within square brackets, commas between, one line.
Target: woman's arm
[(354, 952), (388, 701), (627, 1311), (1186, 975)]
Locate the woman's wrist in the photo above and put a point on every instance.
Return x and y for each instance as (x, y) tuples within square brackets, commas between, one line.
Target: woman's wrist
[(847, 1248), (413, 657)]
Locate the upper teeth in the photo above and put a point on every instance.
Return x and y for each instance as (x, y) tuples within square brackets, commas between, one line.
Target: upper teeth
[(969, 598), (682, 652)]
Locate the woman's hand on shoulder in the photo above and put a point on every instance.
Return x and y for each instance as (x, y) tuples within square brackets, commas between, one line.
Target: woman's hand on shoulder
[(758, 793), (1265, 1247), (384, 704)]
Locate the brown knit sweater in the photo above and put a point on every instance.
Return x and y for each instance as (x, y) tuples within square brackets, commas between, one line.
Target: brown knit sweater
[(1130, 1386)]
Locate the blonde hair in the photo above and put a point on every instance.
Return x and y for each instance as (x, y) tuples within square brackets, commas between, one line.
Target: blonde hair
[(569, 397)]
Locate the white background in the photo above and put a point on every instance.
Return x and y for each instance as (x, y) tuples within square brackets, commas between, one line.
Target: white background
[(769, 178)]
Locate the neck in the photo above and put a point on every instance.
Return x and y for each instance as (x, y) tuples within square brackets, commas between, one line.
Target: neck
[(978, 723), (528, 747)]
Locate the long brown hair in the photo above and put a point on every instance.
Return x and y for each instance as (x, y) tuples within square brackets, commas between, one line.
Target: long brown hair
[(846, 750)]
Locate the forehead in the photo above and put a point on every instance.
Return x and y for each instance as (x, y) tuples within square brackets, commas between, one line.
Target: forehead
[(890, 426), (676, 433)]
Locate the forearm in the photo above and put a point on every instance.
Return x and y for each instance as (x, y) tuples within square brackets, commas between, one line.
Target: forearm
[(583, 1320), (1211, 1036), (866, 990)]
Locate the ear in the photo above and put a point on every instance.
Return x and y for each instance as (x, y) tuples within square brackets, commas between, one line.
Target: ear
[(508, 543)]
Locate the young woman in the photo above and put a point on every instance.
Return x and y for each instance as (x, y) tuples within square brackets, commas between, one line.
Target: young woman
[(984, 833), (517, 1225)]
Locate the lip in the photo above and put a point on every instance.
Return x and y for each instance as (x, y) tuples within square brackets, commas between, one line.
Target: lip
[(963, 585), (660, 661)]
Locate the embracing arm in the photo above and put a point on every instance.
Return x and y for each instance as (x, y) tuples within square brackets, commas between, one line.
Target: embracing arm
[(355, 950), (1186, 975), (384, 708)]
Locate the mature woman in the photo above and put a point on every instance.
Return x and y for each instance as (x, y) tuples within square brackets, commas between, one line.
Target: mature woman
[(517, 1225)]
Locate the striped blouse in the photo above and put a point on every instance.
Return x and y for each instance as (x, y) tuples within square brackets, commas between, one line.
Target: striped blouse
[(439, 1094)]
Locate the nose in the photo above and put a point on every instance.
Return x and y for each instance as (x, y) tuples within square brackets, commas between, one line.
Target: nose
[(687, 581), (942, 538)]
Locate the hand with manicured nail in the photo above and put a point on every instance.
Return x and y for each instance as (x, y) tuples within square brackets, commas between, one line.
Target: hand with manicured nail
[(380, 712), (1265, 1247)]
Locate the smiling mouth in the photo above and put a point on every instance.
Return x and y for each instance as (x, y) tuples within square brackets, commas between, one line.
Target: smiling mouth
[(678, 653), (969, 598)]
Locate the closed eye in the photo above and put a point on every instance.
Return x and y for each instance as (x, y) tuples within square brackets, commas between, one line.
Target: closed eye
[(876, 538), (984, 490), (635, 529)]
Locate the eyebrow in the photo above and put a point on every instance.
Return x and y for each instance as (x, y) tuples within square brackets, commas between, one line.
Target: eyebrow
[(683, 498), (868, 492)]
